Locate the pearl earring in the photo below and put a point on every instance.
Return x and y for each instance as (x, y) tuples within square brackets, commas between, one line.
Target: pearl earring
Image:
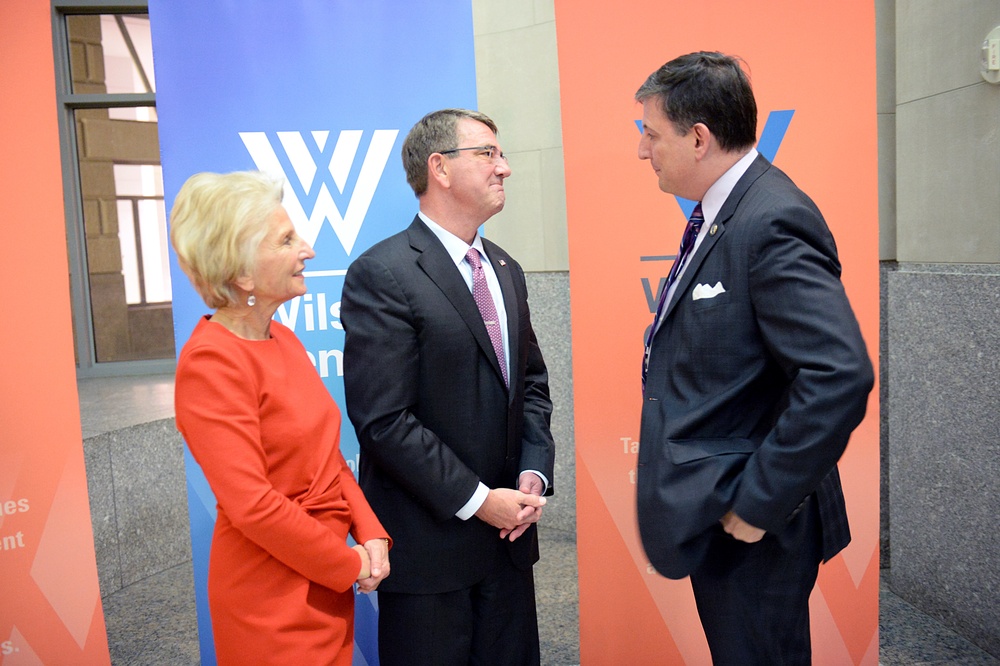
[(251, 300)]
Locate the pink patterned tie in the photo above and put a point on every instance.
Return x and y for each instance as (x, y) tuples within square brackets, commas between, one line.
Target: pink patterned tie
[(484, 301)]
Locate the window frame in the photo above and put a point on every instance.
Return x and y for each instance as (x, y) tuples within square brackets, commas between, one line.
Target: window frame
[(68, 103)]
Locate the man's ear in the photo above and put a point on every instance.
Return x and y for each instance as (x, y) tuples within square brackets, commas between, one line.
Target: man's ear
[(439, 170), (702, 138)]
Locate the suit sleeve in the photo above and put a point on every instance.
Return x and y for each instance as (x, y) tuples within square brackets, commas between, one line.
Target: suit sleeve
[(381, 384), (809, 328), (537, 446), (218, 413)]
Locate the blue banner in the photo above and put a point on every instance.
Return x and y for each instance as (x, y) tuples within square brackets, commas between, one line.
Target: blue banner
[(320, 94)]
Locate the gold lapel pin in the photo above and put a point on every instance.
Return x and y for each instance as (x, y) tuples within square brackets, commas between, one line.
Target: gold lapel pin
[(711, 232)]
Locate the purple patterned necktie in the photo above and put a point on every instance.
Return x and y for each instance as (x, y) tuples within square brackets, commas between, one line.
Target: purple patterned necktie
[(484, 301), (687, 245)]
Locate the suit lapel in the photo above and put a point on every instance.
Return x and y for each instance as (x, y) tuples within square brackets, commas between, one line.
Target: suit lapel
[(438, 266), (756, 170), (694, 264)]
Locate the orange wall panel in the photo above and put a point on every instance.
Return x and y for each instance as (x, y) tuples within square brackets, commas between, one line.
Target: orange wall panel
[(51, 605), (817, 59)]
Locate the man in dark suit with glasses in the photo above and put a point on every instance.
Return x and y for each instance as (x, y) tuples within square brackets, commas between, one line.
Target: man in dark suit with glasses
[(447, 389)]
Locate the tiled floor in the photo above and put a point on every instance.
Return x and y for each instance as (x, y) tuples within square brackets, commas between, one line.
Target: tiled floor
[(152, 622), (113, 403)]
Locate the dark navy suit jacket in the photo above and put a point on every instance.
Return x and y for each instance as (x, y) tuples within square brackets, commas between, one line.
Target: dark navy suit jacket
[(433, 416), (754, 388)]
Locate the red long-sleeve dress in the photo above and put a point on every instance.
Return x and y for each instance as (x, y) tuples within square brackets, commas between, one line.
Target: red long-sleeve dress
[(266, 433)]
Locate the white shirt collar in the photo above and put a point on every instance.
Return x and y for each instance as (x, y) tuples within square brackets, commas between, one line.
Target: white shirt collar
[(720, 190), (453, 245)]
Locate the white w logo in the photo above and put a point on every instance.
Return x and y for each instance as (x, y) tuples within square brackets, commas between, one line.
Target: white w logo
[(349, 224)]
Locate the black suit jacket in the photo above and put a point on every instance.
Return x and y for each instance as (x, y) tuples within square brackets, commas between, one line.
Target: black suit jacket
[(751, 394), (432, 413)]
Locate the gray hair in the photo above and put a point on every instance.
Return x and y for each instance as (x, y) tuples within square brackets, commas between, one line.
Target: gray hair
[(435, 132)]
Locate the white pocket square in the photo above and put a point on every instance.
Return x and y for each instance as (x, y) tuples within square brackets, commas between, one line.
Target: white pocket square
[(704, 291)]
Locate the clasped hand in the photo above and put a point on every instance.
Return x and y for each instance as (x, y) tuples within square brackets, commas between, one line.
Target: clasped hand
[(374, 564), (513, 511)]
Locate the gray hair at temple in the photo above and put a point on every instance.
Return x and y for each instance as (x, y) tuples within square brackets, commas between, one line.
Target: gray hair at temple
[(435, 132), (709, 88)]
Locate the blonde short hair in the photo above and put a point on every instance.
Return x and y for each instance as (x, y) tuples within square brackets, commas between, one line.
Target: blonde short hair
[(217, 223)]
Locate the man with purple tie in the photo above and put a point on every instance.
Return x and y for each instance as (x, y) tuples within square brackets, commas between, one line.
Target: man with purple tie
[(447, 389), (755, 374)]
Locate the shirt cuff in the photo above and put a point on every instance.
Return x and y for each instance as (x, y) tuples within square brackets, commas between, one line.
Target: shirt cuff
[(476, 501)]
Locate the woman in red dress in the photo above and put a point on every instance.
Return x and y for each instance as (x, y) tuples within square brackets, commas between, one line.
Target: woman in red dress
[(266, 432)]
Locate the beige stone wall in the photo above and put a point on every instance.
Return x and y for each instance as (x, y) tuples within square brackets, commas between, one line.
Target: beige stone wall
[(947, 135), (517, 79)]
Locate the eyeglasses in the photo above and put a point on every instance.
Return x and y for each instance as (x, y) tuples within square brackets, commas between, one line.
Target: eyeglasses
[(491, 153)]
